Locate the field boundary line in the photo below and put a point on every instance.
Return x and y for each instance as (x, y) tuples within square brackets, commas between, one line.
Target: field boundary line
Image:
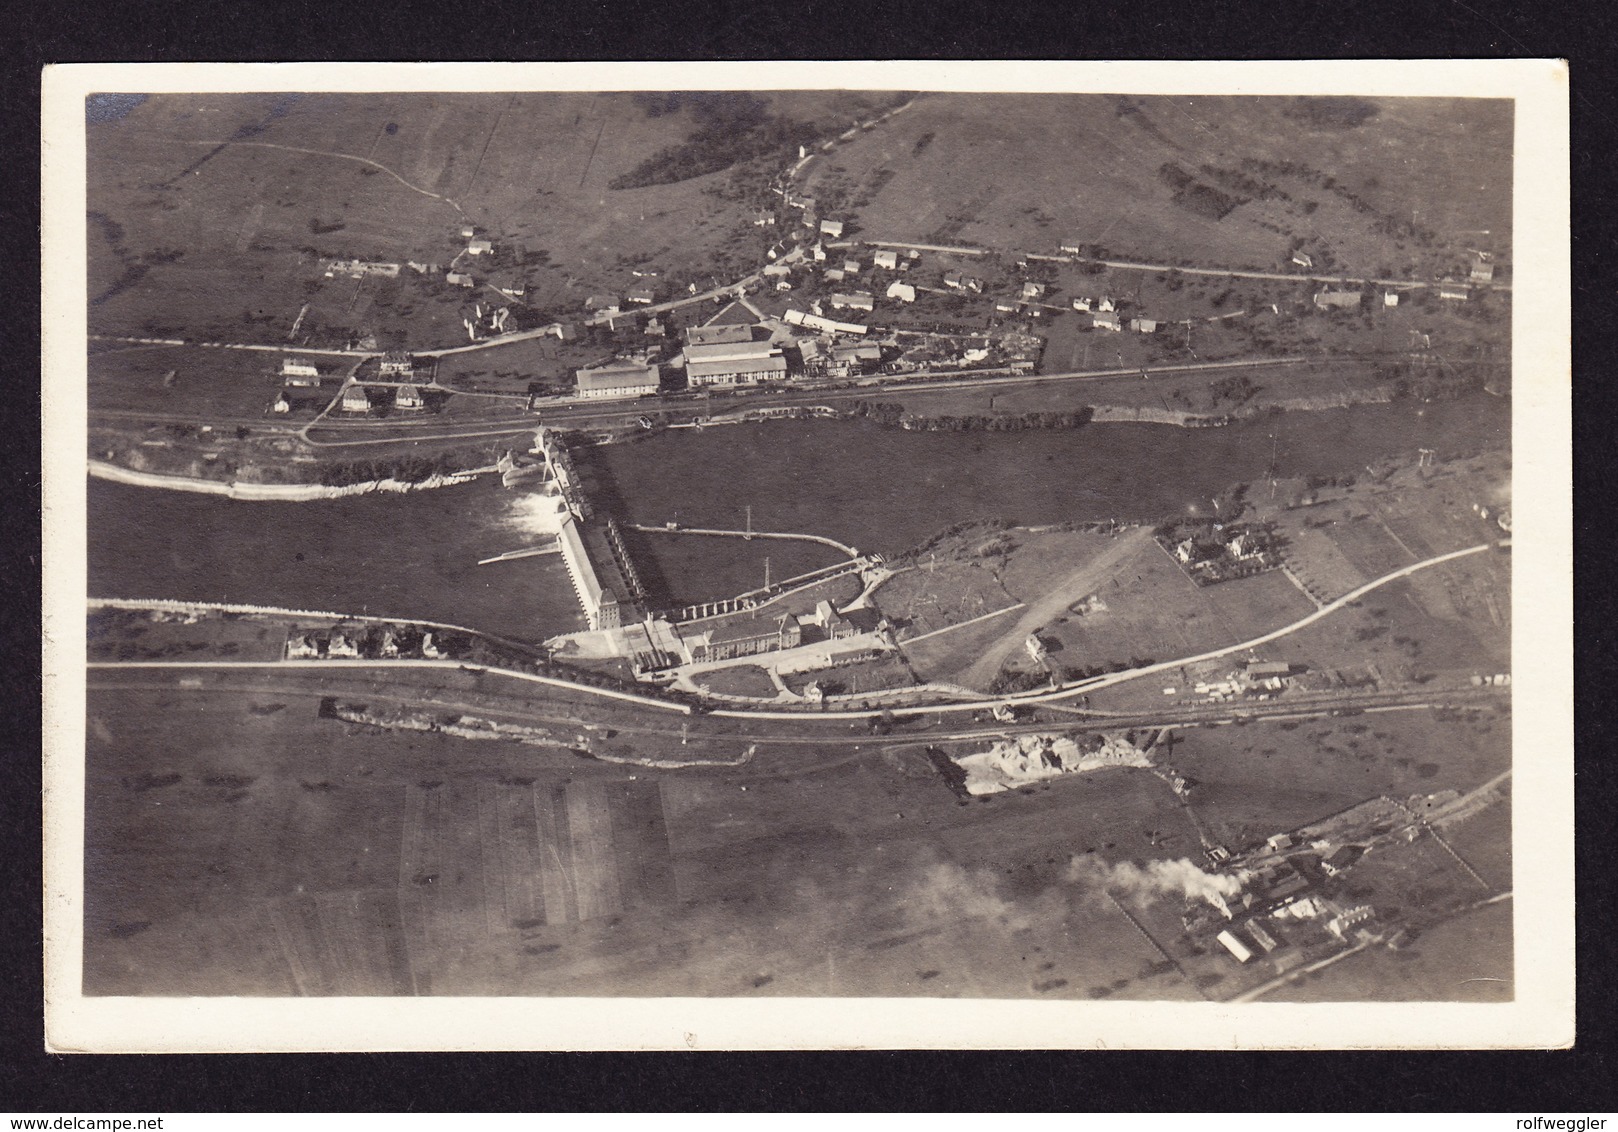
[(963, 624), (327, 153)]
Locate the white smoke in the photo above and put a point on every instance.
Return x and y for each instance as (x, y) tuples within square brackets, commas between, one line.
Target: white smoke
[(1179, 877)]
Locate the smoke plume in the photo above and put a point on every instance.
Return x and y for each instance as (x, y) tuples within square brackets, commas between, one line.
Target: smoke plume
[(1179, 877)]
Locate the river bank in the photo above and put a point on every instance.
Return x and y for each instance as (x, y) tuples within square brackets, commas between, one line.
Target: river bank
[(275, 492)]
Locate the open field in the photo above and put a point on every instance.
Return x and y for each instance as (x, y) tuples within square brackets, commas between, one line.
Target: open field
[(257, 186), (1149, 609), (295, 855), (1031, 171), (205, 383), (1263, 778), (1465, 959), (931, 597), (511, 368), (738, 680)]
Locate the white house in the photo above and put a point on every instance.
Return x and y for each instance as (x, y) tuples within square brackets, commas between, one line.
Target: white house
[(479, 247), (832, 228), (296, 367), (1032, 290), (904, 292), (1303, 260), (1143, 325), (1390, 298), (1106, 321), (408, 397), (1106, 305), (458, 279), (1081, 304), (889, 260)]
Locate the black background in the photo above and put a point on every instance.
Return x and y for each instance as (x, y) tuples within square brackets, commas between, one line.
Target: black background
[(1570, 1082)]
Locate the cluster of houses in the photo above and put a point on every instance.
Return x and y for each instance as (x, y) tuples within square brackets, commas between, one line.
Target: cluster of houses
[(384, 642), (396, 376), (1222, 552)]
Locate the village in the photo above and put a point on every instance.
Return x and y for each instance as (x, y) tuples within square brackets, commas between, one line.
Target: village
[(829, 309)]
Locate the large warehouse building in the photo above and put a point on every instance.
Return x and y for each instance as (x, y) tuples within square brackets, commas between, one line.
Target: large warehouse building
[(617, 379), (733, 363)]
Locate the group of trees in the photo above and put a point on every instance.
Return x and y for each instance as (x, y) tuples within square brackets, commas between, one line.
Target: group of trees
[(731, 126)]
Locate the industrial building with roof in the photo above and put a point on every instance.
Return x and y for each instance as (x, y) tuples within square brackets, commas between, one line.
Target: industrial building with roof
[(617, 379), (733, 363)]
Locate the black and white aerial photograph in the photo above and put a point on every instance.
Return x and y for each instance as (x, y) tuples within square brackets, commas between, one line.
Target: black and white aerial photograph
[(811, 544)]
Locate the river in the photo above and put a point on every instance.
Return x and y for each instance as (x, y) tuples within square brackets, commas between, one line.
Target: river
[(879, 490)]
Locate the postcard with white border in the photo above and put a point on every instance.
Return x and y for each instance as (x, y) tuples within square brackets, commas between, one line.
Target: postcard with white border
[(835, 555)]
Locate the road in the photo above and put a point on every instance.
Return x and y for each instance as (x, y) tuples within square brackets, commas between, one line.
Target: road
[(1080, 688)]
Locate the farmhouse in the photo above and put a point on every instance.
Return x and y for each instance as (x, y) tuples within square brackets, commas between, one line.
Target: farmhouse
[(479, 247), (458, 279), (1455, 292), (818, 253), (1106, 321), (397, 363), (747, 637), (833, 275), (298, 368), (1005, 306), (1072, 247), (281, 404), (859, 300), (776, 269), (1390, 298), (733, 363), (764, 219), (851, 267), (904, 292), (1143, 325), (355, 400), (1339, 300), (1482, 271), (889, 260), (1032, 290), (511, 286), (1303, 260), (408, 397), (606, 304), (1081, 304), (642, 294), (832, 228), (1106, 304), (617, 379)]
